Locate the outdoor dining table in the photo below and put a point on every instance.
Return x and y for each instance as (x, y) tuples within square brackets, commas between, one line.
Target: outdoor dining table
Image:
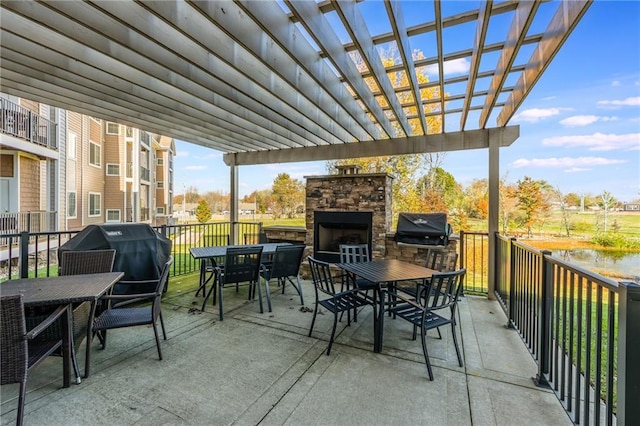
[(213, 252), (63, 291), (384, 272)]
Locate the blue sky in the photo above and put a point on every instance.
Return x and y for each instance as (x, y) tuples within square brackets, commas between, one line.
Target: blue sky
[(579, 127)]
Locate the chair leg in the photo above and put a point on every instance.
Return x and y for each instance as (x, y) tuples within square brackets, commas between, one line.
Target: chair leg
[(423, 335), (211, 290), (220, 315), (155, 332), (313, 320), (164, 332), (455, 343), (257, 283), (266, 287), (74, 361), (333, 332), (21, 401)]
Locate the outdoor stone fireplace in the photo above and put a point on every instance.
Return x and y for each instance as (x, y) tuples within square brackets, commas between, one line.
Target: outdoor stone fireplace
[(347, 208)]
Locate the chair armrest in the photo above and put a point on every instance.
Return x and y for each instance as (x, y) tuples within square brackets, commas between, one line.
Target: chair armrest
[(128, 296), (61, 310)]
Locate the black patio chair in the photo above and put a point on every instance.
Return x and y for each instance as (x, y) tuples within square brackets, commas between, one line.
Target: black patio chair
[(336, 302), (438, 260), (133, 310), (21, 351), (355, 253), (207, 265), (241, 265), (434, 306), (284, 266)]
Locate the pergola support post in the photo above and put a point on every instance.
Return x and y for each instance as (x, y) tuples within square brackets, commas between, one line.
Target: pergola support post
[(494, 207)]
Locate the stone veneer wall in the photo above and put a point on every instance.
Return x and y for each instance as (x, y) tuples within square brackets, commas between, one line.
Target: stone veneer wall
[(367, 192)]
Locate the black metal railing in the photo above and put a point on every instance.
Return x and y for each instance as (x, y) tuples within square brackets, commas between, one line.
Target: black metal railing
[(22, 123), (580, 327), (474, 256), (37, 221), (35, 254)]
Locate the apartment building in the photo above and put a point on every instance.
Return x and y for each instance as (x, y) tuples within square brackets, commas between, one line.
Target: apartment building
[(62, 170)]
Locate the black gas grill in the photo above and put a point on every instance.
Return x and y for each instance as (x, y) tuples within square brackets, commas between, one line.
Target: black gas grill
[(141, 252), (429, 229)]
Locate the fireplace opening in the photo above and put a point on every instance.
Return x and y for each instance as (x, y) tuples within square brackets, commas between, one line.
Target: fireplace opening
[(334, 228)]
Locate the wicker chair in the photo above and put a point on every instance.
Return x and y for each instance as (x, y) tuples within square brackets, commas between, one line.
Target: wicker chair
[(20, 351), (81, 263), (133, 314)]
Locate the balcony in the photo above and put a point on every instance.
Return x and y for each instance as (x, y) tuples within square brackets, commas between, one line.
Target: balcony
[(263, 368), (24, 124), (144, 173)]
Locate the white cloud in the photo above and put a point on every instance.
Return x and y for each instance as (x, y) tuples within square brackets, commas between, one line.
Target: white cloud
[(571, 162), (534, 115), (215, 155), (632, 101), (549, 98), (195, 167), (577, 170), (584, 120), (455, 66), (182, 154), (596, 141), (615, 83)]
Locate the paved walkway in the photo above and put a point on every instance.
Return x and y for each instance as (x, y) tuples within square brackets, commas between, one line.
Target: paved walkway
[(257, 368)]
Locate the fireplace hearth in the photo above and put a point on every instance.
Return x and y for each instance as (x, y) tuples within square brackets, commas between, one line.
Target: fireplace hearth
[(334, 228)]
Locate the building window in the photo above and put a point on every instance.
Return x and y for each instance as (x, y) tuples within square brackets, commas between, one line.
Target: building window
[(72, 208), (113, 215), (160, 184), (160, 161), (72, 142), (113, 169), (95, 201), (113, 128), (94, 154), (160, 210)]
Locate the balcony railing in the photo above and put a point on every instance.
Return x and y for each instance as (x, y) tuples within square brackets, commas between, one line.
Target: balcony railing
[(22, 123), (581, 328), (38, 221), (144, 173)]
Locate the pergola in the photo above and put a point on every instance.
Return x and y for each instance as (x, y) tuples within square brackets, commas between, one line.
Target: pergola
[(289, 81)]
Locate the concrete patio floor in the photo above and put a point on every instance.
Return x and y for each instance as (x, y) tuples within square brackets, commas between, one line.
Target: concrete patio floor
[(257, 368)]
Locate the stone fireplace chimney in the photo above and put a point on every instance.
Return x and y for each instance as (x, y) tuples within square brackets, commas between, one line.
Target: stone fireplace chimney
[(351, 207)]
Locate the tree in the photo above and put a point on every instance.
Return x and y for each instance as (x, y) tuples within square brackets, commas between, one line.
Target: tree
[(607, 202), (218, 201), (508, 204), (562, 200), (288, 195), (203, 212), (532, 201)]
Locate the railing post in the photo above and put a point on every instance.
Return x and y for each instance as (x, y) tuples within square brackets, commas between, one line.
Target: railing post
[(461, 257), (24, 254), (544, 319), (628, 410), (512, 284), (163, 230)]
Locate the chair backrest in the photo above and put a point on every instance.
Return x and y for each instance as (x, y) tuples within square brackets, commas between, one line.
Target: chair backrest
[(87, 262), (286, 261), (162, 283), (242, 264), (255, 238), (441, 260), (13, 345), (354, 253), (321, 276), (443, 290)]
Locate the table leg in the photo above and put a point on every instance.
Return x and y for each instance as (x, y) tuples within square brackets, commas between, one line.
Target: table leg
[(379, 323), (67, 322)]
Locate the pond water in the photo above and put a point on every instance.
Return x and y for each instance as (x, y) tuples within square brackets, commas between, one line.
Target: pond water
[(623, 263)]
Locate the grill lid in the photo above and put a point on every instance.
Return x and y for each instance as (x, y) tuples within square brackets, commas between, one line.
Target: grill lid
[(423, 228)]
